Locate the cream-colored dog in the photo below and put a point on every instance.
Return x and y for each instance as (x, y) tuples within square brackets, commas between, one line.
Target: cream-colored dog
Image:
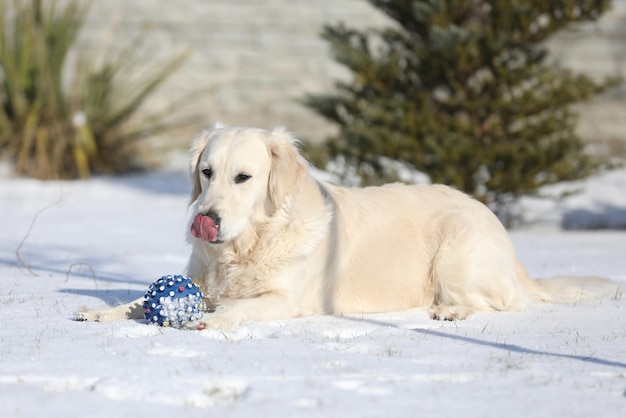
[(270, 242)]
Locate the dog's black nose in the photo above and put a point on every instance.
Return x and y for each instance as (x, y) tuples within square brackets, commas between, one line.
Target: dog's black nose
[(215, 217)]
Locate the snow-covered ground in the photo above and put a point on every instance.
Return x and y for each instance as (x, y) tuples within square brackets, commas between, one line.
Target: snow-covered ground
[(99, 242)]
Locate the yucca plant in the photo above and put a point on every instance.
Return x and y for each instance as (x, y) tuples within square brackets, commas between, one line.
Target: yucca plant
[(52, 132)]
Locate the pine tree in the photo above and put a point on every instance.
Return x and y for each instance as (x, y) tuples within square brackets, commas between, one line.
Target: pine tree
[(463, 91)]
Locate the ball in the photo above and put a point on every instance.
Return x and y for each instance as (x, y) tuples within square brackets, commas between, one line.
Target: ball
[(173, 300)]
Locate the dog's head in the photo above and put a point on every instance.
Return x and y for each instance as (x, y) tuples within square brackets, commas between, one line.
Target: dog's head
[(240, 176)]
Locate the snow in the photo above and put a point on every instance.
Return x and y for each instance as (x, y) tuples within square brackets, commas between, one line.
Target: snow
[(598, 203), (100, 242)]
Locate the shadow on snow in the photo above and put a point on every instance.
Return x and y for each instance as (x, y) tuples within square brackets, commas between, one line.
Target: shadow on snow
[(502, 346)]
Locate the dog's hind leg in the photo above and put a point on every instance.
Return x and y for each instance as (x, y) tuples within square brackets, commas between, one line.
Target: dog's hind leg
[(450, 312), (475, 269)]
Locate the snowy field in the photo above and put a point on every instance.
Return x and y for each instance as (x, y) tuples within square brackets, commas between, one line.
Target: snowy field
[(99, 242)]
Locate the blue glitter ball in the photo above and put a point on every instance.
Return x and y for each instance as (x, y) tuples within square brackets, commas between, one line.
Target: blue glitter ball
[(173, 300)]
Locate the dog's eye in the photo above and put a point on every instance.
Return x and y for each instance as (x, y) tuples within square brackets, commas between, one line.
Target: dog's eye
[(208, 173), (242, 178)]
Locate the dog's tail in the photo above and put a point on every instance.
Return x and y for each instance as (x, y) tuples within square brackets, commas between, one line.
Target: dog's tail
[(565, 289)]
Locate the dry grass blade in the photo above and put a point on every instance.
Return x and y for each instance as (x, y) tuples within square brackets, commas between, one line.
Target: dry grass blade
[(30, 229)]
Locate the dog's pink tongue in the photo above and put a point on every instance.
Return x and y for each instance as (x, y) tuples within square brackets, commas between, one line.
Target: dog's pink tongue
[(204, 227)]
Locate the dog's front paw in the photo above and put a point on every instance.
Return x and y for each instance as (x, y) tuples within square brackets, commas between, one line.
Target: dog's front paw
[(132, 310), (193, 325), (224, 321), (86, 314)]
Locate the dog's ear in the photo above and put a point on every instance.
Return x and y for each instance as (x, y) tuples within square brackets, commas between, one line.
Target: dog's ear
[(289, 168), (198, 144)]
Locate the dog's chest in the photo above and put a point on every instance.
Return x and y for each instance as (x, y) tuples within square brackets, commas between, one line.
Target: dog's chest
[(238, 279)]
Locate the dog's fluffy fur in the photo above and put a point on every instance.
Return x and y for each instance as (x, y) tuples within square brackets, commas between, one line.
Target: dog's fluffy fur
[(288, 245)]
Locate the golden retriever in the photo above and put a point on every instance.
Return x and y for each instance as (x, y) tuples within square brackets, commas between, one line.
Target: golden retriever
[(270, 242)]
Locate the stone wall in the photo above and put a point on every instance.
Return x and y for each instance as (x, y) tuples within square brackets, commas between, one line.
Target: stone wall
[(599, 50), (261, 56)]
